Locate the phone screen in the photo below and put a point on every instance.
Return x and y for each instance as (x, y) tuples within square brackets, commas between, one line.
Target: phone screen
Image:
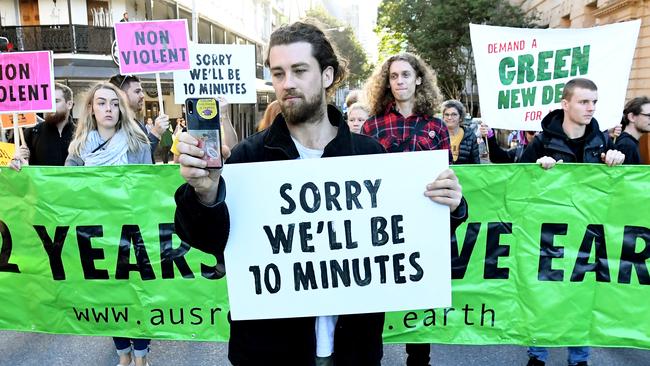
[(203, 124)]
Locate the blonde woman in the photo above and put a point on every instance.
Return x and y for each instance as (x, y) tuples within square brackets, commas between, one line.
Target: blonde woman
[(107, 135), (357, 116)]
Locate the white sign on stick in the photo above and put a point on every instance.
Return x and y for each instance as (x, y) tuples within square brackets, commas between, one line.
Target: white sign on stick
[(334, 236), (521, 72), (218, 70)]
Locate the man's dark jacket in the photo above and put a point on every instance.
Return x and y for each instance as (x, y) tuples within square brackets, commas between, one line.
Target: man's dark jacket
[(46, 146), (291, 341), (629, 146), (553, 142)]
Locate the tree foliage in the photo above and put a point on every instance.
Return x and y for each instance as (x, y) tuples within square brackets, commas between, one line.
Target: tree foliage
[(347, 44), (390, 43), (438, 30)]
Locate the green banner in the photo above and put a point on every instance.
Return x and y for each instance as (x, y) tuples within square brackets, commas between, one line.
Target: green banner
[(554, 257)]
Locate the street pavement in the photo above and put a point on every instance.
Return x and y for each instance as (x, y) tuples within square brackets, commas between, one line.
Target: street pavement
[(34, 349)]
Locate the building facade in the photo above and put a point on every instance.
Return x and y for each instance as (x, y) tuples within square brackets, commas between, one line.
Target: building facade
[(80, 33), (589, 13)]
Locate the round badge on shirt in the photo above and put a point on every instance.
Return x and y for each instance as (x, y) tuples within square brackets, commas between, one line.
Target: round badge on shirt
[(432, 134)]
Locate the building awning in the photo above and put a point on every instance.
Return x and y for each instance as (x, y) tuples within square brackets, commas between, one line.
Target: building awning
[(89, 73)]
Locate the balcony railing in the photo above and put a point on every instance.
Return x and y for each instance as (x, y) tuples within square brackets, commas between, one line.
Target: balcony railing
[(61, 38)]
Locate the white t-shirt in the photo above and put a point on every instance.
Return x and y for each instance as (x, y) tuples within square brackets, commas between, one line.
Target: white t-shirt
[(325, 325), (305, 152)]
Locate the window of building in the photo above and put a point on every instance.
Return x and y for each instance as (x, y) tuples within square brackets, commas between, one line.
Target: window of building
[(162, 10), (565, 21), (204, 31), (98, 13), (259, 61), (231, 38), (182, 14), (218, 34), (29, 12), (589, 19)]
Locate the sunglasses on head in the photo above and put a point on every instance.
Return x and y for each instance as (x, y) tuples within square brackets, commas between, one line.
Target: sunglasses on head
[(119, 79)]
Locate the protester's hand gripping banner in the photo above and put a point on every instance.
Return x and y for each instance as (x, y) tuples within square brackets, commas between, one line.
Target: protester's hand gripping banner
[(553, 258), (521, 72), (218, 70)]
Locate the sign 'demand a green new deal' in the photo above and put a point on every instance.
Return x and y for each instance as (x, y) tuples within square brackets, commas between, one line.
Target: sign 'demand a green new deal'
[(521, 73), (543, 66)]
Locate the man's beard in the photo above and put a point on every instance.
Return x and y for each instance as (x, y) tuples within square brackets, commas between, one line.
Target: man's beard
[(307, 111), (55, 118), (138, 113)]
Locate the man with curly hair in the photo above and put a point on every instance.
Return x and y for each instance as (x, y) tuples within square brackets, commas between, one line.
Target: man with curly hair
[(402, 94)]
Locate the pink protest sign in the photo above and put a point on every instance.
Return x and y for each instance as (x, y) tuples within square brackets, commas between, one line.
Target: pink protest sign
[(26, 82), (150, 47)]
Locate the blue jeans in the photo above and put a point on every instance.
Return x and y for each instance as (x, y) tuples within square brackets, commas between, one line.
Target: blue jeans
[(140, 346), (576, 354)]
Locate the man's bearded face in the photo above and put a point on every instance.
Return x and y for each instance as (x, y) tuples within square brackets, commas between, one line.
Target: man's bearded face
[(62, 109)]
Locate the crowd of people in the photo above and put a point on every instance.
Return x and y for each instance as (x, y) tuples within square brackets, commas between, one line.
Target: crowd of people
[(396, 112), (110, 131)]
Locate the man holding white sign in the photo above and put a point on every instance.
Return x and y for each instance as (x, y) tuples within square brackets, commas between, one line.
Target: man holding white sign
[(304, 69)]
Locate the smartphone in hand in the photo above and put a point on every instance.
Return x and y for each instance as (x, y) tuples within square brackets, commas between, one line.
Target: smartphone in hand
[(203, 124)]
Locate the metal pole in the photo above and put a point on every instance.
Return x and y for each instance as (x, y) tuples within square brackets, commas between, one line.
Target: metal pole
[(161, 107), (148, 9), (72, 33), (195, 23), (16, 133)]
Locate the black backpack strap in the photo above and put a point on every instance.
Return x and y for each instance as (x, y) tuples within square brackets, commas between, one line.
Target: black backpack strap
[(100, 146)]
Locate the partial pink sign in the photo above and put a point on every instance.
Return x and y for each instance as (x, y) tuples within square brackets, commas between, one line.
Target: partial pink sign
[(26, 82), (150, 47)]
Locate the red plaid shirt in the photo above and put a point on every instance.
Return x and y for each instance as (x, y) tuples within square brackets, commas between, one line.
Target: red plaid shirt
[(413, 133)]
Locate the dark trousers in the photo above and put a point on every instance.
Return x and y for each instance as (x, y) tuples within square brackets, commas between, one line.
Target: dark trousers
[(124, 343), (417, 354), (164, 151)]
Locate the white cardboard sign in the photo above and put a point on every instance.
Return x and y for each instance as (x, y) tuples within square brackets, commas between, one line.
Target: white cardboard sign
[(360, 236), (218, 70), (521, 72)]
